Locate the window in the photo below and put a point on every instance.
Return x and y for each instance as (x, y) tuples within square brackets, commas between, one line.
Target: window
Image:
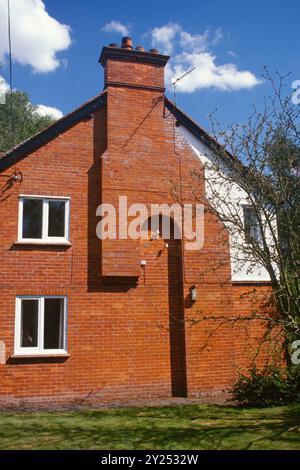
[(43, 220), (251, 225), (40, 327)]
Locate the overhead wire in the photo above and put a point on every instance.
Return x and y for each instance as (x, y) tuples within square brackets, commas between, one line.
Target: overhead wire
[(12, 137), (16, 176)]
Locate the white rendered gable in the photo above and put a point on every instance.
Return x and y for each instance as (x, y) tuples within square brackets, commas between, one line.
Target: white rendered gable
[(242, 270)]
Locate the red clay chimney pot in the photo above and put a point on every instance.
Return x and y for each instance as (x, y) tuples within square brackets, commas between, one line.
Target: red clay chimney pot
[(126, 43), (140, 48), (113, 44), (154, 51)]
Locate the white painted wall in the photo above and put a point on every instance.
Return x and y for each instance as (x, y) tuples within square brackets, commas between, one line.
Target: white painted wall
[(242, 269)]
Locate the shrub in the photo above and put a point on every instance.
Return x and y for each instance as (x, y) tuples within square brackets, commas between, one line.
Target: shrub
[(270, 386)]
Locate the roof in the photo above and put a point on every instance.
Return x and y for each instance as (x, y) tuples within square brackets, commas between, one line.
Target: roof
[(20, 151)]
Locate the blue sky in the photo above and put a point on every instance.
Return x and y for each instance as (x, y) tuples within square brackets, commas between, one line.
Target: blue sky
[(210, 34)]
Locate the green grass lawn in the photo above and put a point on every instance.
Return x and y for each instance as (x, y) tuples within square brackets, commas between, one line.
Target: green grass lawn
[(168, 427)]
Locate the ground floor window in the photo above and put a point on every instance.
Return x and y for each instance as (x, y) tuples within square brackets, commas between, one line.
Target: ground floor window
[(40, 326)]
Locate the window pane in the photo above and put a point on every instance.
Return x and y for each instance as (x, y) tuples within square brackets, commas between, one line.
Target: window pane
[(53, 324), (29, 323), (32, 218), (252, 228), (56, 219)]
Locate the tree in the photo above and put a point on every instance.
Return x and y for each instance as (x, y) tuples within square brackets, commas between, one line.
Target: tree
[(19, 120), (253, 186)]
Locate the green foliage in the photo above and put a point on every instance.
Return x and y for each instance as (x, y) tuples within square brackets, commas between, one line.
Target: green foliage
[(283, 156), (25, 120), (271, 386), (265, 164)]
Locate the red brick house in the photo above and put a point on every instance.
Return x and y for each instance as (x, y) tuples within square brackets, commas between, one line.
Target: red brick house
[(82, 318)]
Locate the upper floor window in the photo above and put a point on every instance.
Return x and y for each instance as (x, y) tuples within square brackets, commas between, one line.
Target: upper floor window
[(44, 219), (251, 225), (40, 325)]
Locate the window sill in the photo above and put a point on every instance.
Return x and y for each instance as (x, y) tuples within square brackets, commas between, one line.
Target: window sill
[(39, 356), (42, 243)]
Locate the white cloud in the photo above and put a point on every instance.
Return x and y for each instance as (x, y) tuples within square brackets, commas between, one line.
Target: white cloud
[(208, 74), (4, 87), (194, 42), (43, 110), (116, 27), (195, 50), (218, 36), (36, 36), (163, 37)]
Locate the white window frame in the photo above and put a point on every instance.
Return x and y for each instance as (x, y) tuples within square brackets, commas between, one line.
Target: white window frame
[(39, 349), (45, 221), (250, 207)]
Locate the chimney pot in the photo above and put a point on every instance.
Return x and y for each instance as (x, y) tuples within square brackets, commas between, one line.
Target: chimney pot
[(113, 44), (140, 48), (154, 51), (126, 43)]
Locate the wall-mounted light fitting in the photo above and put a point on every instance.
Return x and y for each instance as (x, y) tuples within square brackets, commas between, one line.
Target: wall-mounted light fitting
[(193, 292)]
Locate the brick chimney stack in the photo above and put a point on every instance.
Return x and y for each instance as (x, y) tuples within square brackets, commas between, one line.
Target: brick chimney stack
[(133, 67), (134, 80)]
